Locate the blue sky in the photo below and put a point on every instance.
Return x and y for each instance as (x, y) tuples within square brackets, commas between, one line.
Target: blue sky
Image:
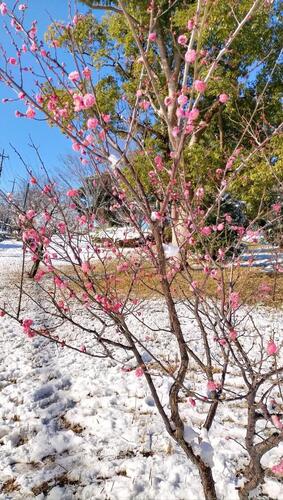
[(53, 144)]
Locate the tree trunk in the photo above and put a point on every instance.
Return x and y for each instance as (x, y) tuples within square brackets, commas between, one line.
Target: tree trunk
[(35, 265), (207, 482)]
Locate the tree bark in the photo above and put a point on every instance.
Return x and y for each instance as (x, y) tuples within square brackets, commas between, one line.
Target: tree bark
[(207, 482)]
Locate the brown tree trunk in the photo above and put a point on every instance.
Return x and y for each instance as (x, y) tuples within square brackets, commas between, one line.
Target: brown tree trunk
[(255, 478), (35, 265), (207, 482)]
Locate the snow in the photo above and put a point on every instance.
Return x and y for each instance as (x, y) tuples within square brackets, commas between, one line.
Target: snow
[(82, 428)]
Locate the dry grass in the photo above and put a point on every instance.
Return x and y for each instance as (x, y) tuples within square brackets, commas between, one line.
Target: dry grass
[(147, 284), (246, 281), (76, 428), (9, 486)]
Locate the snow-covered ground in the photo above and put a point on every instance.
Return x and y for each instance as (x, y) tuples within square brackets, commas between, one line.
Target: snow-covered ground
[(74, 427)]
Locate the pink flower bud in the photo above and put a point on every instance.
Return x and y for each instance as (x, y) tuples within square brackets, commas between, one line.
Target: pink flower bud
[(271, 348), (72, 192), (152, 37), (233, 334), (30, 214), (3, 8), (12, 60), (182, 100), (182, 39), (30, 113), (87, 73), (85, 267), (223, 98), (74, 76), (139, 371)]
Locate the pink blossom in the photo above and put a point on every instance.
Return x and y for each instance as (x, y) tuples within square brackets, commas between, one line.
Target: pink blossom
[(30, 214), (21, 95), (233, 334), (222, 342), (152, 37), (189, 128), (220, 227), (30, 235), (62, 227), (106, 118), (92, 123), (206, 231), (190, 56), (47, 216), (271, 348), (190, 24), (76, 19), (74, 76), (200, 86), (139, 93), (180, 112), (39, 99), (234, 300), (59, 282), (33, 47), (182, 39), (159, 163), (24, 48), (78, 102), (223, 98), (200, 192), (144, 105), (76, 146), (192, 402), (26, 324), (84, 161), (3, 8), (87, 73), (193, 114), (12, 60), (89, 100), (2, 313), (89, 139), (278, 469), (211, 386), (139, 372), (276, 207), (72, 192), (182, 100), (22, 6), (85, 267), (102, 136), (39, 275), (30, 113)]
